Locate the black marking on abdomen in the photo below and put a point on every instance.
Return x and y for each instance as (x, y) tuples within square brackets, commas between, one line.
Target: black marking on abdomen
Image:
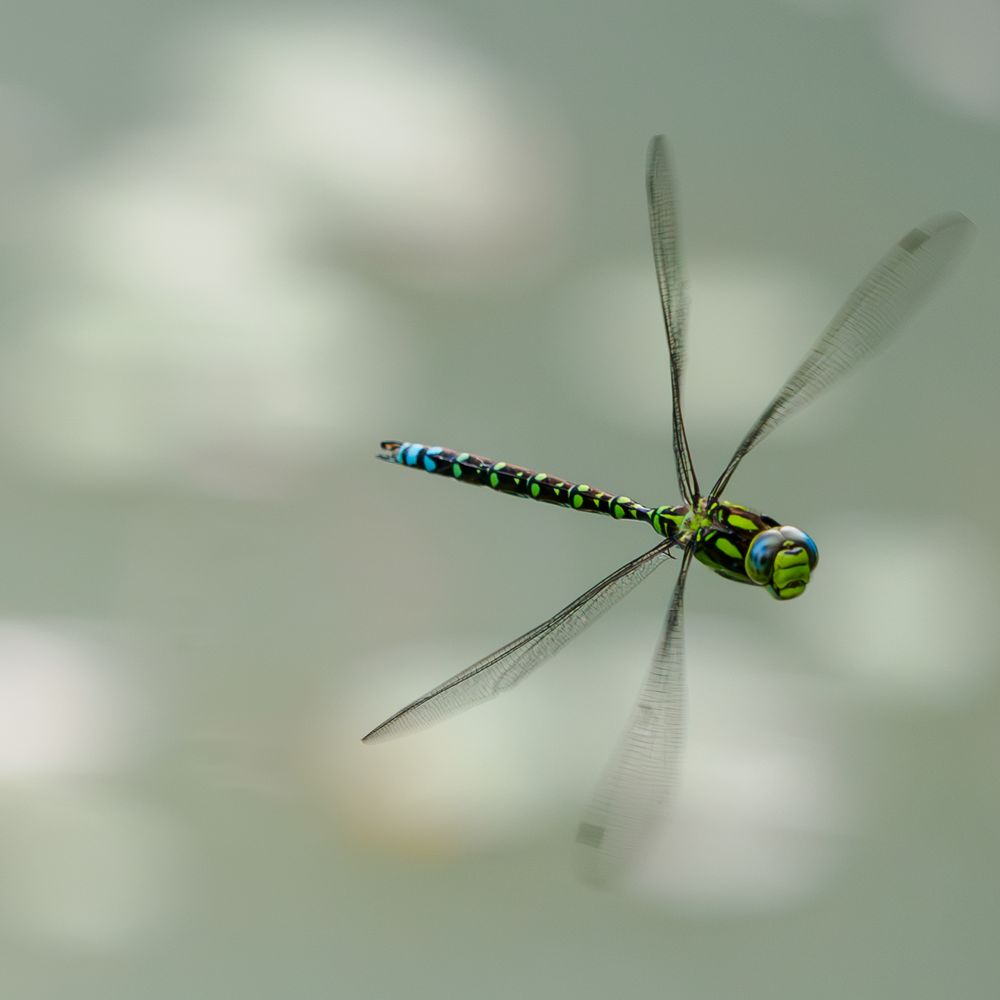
[(514, 479)]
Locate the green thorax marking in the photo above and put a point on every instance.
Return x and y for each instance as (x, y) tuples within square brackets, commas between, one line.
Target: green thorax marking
[(722, 532)]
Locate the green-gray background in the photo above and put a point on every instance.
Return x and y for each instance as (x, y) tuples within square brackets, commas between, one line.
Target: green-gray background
[(239, 244)]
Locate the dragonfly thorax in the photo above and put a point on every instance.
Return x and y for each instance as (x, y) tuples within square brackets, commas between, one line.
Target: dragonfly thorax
[(742, 545)]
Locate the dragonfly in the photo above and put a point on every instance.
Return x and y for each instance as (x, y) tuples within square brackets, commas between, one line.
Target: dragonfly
[(736, 542)]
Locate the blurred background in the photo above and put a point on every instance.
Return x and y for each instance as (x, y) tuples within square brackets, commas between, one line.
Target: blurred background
[(240, 245)]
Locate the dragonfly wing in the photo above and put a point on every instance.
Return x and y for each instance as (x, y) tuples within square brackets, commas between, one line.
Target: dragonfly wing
[(504, 667), (875, 310), (643, 771), (673, 300)]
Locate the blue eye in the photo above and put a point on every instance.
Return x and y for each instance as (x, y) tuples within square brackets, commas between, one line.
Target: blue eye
[(759, 563), (797, 535), (760, 555)]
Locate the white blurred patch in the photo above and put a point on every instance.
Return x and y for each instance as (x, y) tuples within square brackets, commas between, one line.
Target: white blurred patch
[(63, 709), (80, 866), (949, 50), (393, 132), (177, 221), (127, 388), (204, 319), (765, 812), (902, 608), (468, 784), (83, 868), (750, 321)]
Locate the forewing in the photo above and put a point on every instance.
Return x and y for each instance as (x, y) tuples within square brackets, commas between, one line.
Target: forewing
[(643, 771), (874, 311), (673, 301), (664, 232), (504, 667)]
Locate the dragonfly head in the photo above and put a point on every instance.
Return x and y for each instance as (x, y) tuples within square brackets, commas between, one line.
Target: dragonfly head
[(782, 559)]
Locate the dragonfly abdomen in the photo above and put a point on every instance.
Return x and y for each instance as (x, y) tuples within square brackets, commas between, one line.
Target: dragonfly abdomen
[(519, 481)]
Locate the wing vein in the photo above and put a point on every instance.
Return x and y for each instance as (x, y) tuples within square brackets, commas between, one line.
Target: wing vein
[(663, 230), (504, 667), (642, 773), (872, 313)]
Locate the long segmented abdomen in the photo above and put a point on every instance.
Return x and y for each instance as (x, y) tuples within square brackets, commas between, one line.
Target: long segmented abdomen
[(518, 481)]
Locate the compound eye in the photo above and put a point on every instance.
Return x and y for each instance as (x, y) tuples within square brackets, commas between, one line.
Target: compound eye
[(760, 556), (801, 538), (782, 559)]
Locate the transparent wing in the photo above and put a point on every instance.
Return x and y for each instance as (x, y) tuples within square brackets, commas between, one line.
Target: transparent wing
[(503, 668), (875, 310), (673, 301), (640, 776)]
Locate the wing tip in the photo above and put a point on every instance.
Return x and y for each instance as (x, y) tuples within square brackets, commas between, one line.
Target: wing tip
[(380, 732), (656, 150), (377, 735), (397, 725), (963, 229)]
